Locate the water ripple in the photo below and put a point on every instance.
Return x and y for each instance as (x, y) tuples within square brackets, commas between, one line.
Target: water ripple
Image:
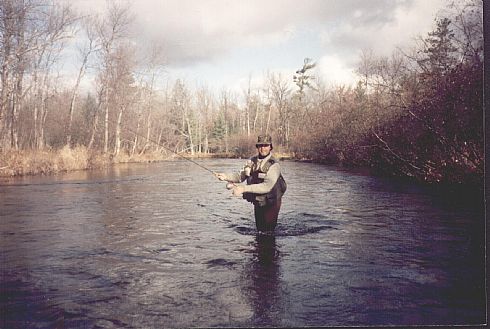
[(166, 245)]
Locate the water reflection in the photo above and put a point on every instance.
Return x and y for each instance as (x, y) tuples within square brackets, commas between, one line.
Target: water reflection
[(263, 281)]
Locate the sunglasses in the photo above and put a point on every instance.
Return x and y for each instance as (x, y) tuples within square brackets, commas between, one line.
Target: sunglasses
[(262, 145)]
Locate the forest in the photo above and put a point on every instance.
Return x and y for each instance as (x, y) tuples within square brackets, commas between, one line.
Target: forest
[(417, 113)]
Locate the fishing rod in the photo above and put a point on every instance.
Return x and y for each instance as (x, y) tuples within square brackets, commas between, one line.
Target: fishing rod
[(156, 143)]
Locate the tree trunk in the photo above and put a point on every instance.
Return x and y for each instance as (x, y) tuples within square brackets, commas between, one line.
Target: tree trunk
[(135, 140), (106, 124), (95, 123), (13, 125), (94, 129), (248, 120), (256, 118), (189, 130), (74, 97), (4, 101), (117, 146), (148, 129), (70, 118), (36, 128), (159, 140), (16, 102), (149, 117), (226, 137), (268, 120), (44, 115), (199, 137)]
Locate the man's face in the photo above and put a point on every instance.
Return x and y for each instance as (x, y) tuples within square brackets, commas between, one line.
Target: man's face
[(264, 149)]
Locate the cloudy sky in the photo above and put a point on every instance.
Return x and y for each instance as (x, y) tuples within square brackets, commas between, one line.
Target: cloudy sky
[(224, 43)]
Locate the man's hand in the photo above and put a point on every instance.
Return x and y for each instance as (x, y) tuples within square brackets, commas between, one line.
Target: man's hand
[(238, 190), (220, 176)]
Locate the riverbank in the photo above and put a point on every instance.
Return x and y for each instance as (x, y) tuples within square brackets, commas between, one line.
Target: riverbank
[(47, 162), (34, 162)]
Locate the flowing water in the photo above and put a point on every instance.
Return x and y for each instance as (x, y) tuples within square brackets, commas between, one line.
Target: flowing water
[(166, 245)]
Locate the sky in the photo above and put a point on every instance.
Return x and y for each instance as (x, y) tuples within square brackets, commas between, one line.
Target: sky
[(224, 44)]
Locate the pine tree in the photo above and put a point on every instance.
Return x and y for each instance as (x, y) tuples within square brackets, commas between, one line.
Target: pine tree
[(440, 49)]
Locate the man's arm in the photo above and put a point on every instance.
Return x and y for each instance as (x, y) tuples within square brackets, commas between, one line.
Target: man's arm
[(237, 177), (270, 180)]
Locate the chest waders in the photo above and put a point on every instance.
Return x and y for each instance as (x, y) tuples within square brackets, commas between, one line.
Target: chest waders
[(266, 206)]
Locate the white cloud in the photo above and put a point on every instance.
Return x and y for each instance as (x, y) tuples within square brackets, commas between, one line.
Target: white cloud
[(215, 33), (405, 23), (197, 30), (334, 71), (257, 81), (345, 41)]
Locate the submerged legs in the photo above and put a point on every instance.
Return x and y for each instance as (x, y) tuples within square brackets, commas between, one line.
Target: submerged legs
[(266, 216)]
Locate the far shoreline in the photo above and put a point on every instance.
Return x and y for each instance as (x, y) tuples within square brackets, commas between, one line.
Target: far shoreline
[(23, 163), (48, 162)]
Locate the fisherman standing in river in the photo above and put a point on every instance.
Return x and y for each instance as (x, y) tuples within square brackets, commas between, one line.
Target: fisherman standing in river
[(265, 184)]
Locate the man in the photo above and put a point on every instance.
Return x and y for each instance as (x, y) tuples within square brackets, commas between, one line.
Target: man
[(265, 184)]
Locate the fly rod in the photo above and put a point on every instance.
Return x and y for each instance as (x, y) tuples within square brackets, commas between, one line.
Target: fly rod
[(159, 144)]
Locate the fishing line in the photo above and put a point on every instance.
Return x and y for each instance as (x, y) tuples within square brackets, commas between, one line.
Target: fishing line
[(165, 147), (153, 141), (73, 183)]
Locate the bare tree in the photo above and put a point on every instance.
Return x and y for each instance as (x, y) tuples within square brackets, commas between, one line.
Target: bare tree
[(248, 105), (467, 23), (57, 31), (280, 93), (91, 46), (32, 36), (221, 129), (181, 105), (152, 69), (95, 121), (124, 91), (267, 107), (366, 66), (205, 111), (14, 23), (111, 30)]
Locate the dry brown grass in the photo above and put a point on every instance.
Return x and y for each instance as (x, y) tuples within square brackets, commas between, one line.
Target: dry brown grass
[(149, 156), (33, 162), (29, 162), (72, 159)]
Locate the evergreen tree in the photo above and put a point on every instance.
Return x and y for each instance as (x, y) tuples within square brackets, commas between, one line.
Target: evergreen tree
[(218, 132), (440, 50)]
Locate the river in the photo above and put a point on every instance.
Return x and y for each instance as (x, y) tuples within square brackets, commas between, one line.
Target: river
[(166, 245)]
